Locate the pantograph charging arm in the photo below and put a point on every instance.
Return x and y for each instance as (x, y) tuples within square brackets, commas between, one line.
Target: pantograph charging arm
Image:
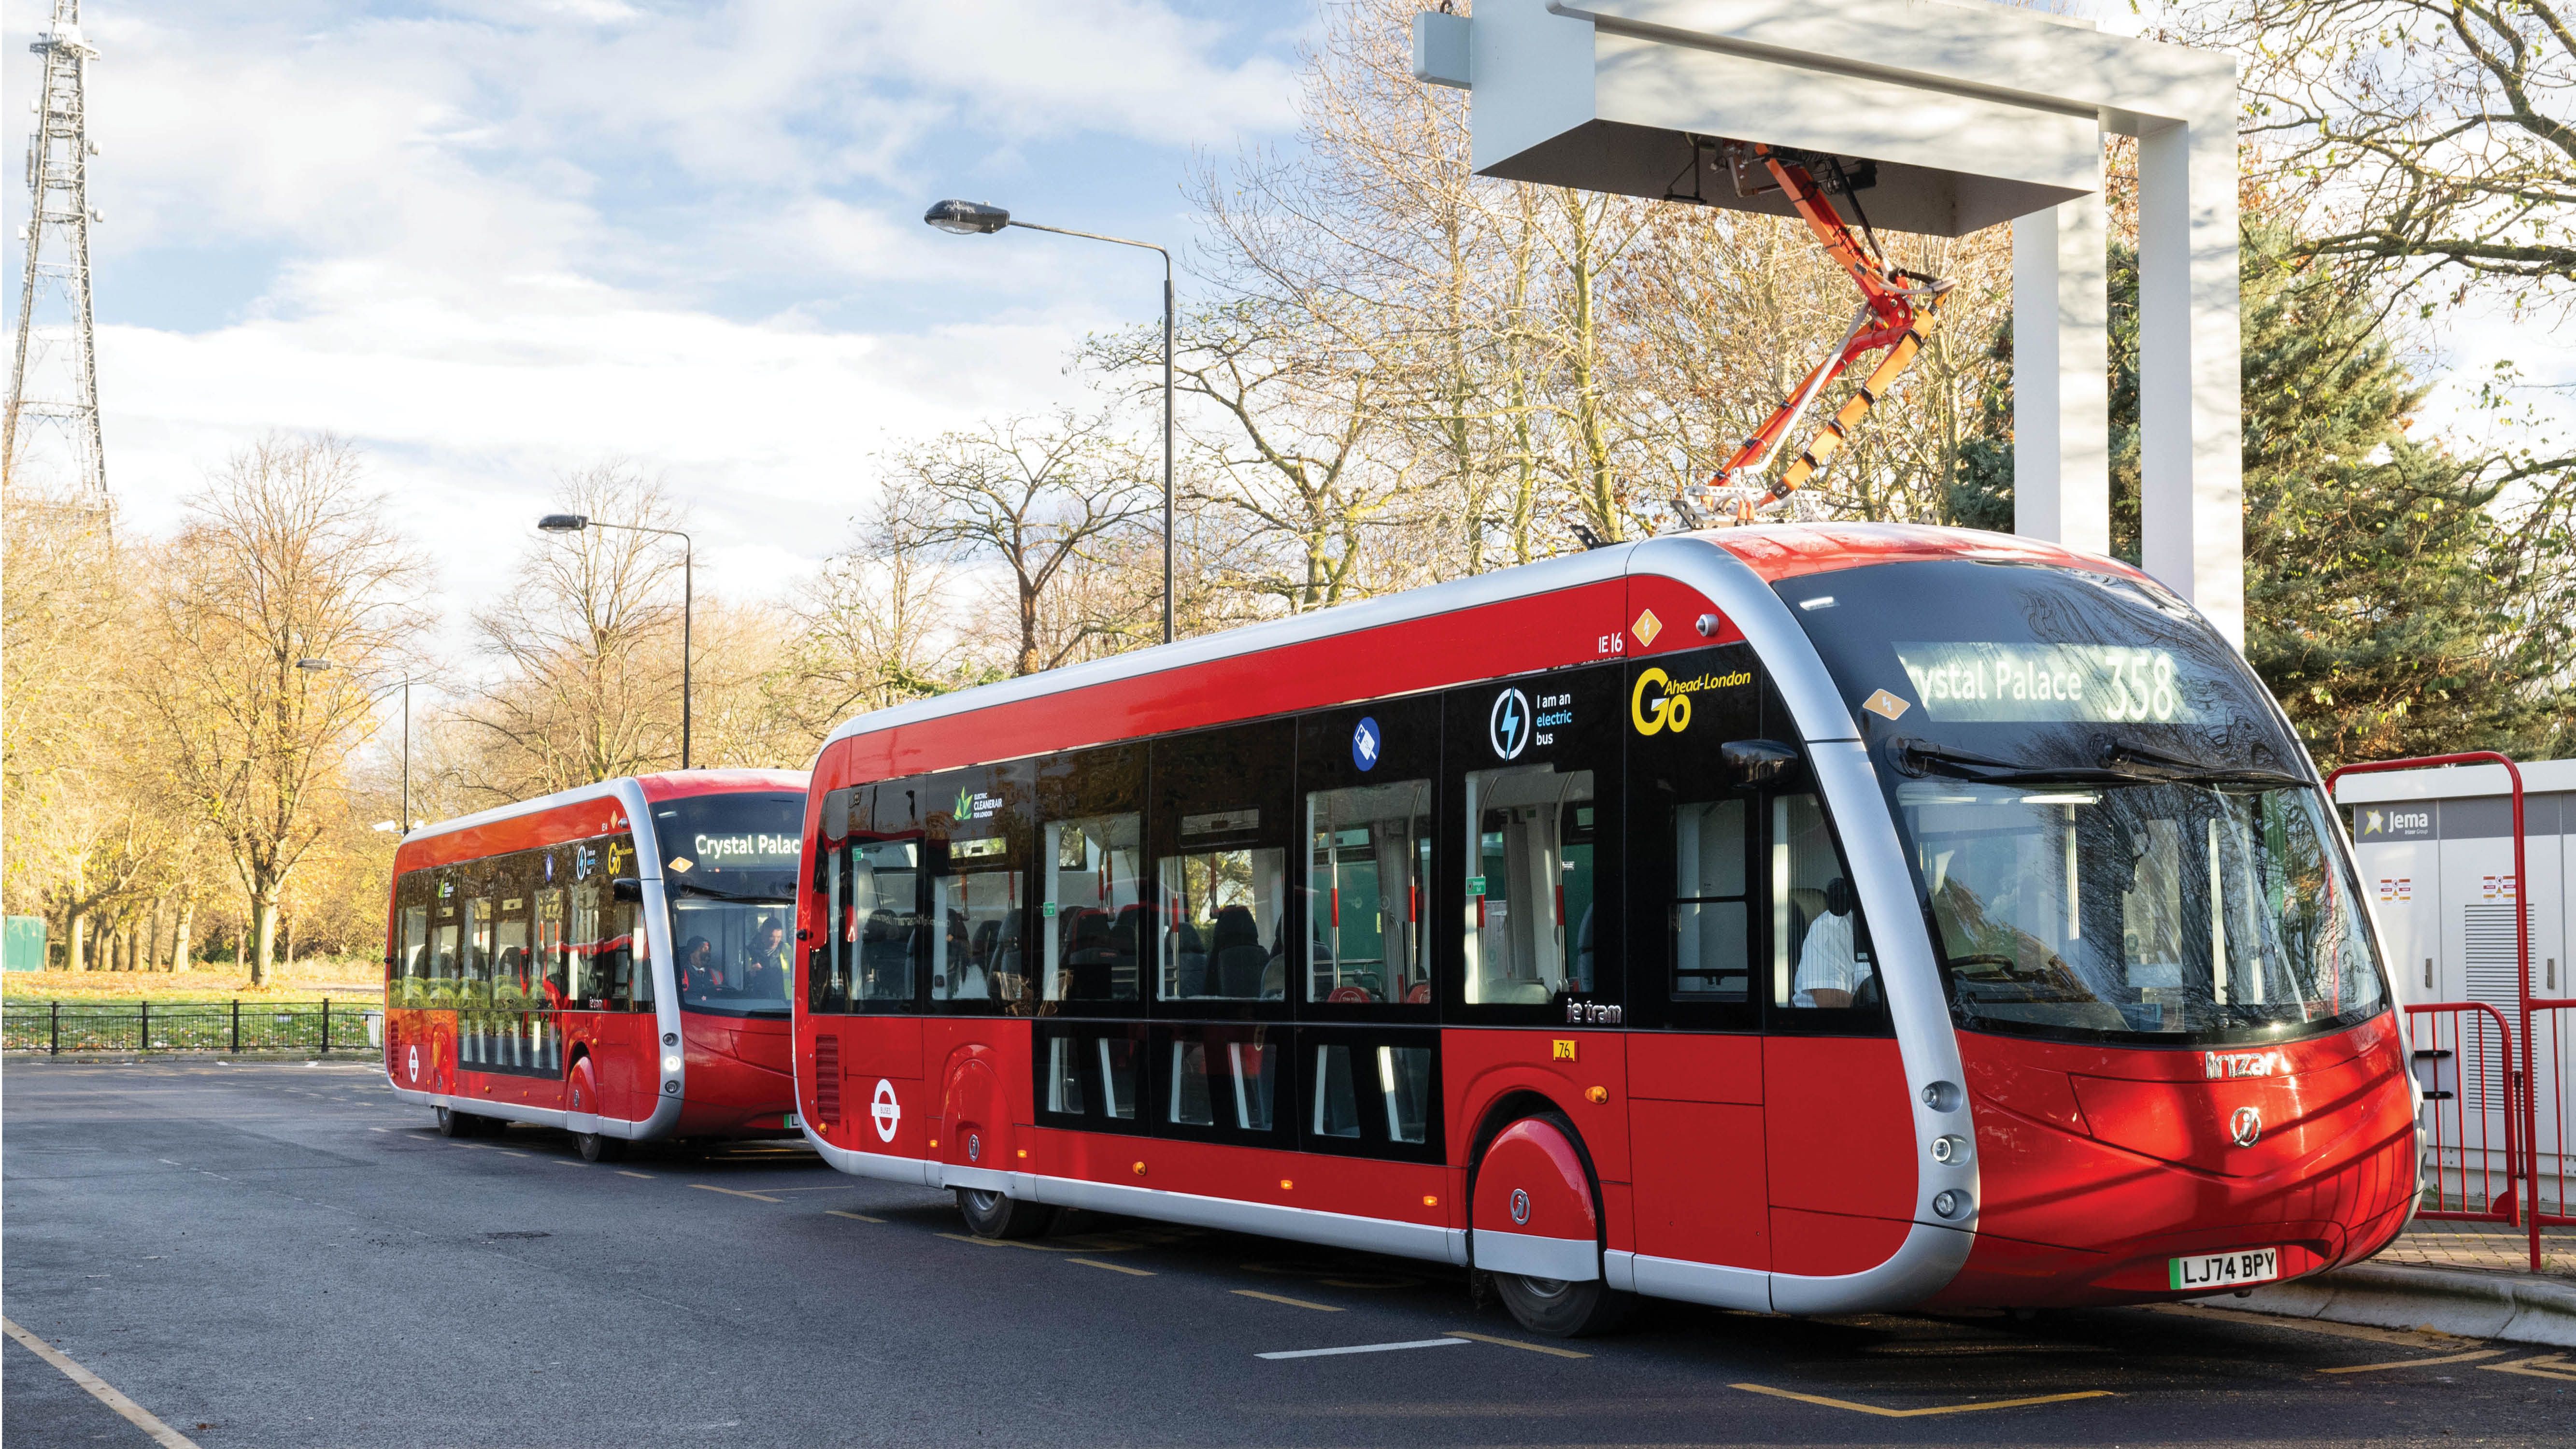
[(1898, 309)]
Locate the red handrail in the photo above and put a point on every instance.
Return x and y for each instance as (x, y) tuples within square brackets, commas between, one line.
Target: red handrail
[(2522, 953)]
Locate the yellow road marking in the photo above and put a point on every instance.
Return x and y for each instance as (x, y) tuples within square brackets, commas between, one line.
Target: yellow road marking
[(1112, 1267), (1516, 1343), (1820, 1399), (2406, 1363), (563, 1162), (2547, 1366), (1000, 1243), (506, 1152), (857, 1217), (622, 1172), (2408, 1337), (99, 1389), (1291, 1302), (735, 1192)]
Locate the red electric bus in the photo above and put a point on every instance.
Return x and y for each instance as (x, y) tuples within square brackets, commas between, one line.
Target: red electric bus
[(1807, 919), (611, 960)]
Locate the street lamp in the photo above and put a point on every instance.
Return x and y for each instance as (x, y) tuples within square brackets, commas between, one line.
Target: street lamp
[(576, 522), (975, 218), (317, 666)]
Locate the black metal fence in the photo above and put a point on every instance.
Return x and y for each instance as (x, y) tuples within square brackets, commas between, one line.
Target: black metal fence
[(184, 1026)]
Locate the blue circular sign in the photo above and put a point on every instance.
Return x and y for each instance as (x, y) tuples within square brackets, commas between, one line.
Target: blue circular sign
[(1364, 744)]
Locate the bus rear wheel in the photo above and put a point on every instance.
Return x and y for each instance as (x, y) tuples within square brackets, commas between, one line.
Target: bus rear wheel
[(595, 1148), (999, 1215), (1560, 1309)]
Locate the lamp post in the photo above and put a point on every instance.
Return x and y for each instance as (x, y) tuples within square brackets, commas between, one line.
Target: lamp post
[(576, 522), (316, 666), (974, 218)]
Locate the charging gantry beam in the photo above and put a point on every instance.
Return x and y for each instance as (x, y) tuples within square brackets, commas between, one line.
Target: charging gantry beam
[(1957, 115)]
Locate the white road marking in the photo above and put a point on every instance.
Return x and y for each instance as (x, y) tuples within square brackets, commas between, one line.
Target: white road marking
[(1367, 1348), (132, 1412)]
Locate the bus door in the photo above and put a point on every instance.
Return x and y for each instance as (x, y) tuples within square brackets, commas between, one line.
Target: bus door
[(866, 978), (1696, 893), (1838, 1128)]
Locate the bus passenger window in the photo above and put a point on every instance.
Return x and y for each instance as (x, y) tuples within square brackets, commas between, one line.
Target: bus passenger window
[(1092, 908), (1529, 885), (1404, 1082), (1369, 865), (412, 960), (1222, 916), (1064, 1076), (553, 982), (1337, 1100), (1119, 1058), (1192, 1104), (1712, 914), (879, 922), (1820, 949)]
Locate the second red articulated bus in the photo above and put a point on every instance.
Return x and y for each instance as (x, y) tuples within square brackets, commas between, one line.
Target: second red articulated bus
[(611, 960), (1802, 919)]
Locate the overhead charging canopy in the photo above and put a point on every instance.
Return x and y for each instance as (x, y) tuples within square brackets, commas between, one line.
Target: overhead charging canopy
[(1947, 116), (1563, 100)]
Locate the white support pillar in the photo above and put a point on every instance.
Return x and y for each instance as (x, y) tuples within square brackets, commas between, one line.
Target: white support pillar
[(2192, 488), (2061, 381)]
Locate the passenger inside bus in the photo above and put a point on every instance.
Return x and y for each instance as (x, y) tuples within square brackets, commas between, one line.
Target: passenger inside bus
[(1529, 908)]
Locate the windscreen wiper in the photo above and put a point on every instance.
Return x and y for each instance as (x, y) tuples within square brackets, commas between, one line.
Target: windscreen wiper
[(1922, 757), (690, 887), (2174, 767)]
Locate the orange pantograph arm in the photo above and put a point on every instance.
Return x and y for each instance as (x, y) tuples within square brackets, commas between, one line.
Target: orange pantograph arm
[(1904, 316)]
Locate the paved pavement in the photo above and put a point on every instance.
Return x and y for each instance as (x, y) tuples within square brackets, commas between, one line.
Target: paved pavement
[(280, 1255)]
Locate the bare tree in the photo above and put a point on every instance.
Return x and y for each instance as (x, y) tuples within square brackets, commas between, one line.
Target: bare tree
[(588, 639), (284, 557), (2422, 138), (876, 624), (1030, 496)]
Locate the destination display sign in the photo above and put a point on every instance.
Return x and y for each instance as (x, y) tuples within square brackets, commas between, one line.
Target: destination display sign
[(746, 850), (1974, 681)]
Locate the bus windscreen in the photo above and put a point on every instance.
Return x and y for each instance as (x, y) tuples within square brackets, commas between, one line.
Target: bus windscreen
[(729, 871), (2115, 837)]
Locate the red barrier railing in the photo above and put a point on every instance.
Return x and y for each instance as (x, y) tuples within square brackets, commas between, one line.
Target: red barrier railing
[(2547, 1053), (2521, 1132), (2464, 1060)]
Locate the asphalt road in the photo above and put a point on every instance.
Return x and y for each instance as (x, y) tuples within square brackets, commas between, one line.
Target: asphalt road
[(281, 1255)]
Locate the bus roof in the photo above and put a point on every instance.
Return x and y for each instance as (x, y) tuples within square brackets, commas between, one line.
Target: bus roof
[(666, 785), (1574, 609)]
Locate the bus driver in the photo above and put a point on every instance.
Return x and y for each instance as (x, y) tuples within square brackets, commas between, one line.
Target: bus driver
[(764, 966), (1829, 967)]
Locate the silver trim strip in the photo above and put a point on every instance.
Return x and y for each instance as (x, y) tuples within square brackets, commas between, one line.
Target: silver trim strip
[(1713, 1284), (1572, 1260), (1305, 1225), (533, 1116), (1923, 1265)]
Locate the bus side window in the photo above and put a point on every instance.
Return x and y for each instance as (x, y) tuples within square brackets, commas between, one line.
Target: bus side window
[(1712, 908), (1821, 958), (1093, 922), (1221, 830), (411, 941), (1530, 886)]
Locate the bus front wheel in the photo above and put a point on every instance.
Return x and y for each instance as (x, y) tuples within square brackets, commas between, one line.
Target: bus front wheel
[(1560, 1309), (452, 1123), (999, 1215), (595, 1148)]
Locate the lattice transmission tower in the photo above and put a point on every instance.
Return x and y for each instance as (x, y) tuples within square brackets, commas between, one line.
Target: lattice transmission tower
[(53, 390)]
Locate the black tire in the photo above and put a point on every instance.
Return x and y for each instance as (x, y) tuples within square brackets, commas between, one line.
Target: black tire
[(1558, 1309), (999, 1215), (452, 1123), (595, 1148)]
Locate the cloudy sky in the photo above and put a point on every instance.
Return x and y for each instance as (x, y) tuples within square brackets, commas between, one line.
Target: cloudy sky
[(493, 240)]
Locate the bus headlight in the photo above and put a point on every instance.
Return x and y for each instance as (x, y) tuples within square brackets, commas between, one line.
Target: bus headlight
[(1950, 1151), (670, 1063), (1950, 1203)]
